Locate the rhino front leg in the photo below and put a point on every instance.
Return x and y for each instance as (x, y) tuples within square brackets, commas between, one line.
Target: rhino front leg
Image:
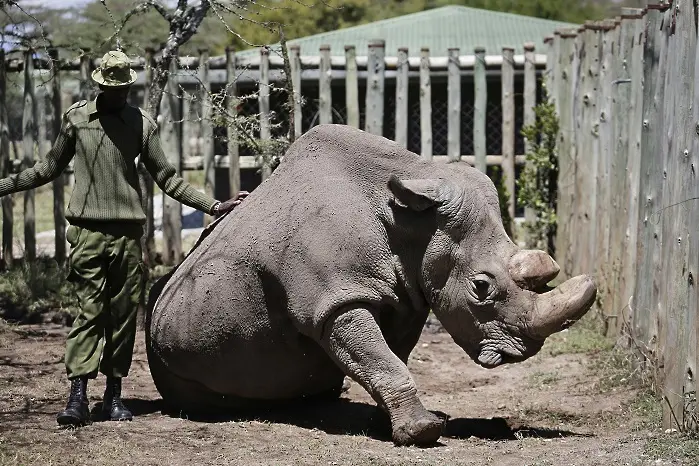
[(354, 340)]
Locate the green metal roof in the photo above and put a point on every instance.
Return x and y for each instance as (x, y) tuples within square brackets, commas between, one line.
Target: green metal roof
[(438, 29)]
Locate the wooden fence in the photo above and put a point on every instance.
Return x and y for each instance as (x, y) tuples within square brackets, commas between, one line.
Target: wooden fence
[(627, 96), (176, 127)]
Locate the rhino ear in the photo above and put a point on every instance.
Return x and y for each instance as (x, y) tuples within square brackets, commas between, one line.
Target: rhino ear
[(417, 195)]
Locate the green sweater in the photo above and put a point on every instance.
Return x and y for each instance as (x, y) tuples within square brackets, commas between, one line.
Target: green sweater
[(105, 147)]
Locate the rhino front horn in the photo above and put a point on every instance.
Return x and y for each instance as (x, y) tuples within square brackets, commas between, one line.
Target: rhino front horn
[(531, 269), (561, 307)]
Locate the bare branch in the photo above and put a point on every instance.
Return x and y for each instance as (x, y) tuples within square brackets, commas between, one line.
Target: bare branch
[(193, 19), (160, 8), (137, 10), (288, 85), (226, 8)]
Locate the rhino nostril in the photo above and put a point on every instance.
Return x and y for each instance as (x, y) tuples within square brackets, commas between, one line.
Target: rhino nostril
[(542, 289)]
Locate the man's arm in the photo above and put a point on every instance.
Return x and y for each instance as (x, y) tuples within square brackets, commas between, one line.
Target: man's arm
[(177, 188), (47, 170), (166, 177)]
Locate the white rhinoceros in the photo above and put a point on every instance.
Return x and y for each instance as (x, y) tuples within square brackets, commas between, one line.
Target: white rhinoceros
[(330, 268)]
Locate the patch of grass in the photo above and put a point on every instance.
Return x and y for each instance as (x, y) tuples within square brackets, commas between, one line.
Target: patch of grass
[(618, 367), (585, 336), (674, 447), (28, 291), (539, 379), (6, 334), (577, 340), (555, 416), (647, 409)]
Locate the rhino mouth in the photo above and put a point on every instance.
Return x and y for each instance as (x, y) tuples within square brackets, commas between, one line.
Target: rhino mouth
[(489, 358)]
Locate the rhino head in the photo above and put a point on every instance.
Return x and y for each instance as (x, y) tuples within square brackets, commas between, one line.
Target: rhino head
[(490, 295)]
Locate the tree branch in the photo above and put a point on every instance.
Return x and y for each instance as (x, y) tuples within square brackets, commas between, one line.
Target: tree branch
[(160, 8), (193, 19)]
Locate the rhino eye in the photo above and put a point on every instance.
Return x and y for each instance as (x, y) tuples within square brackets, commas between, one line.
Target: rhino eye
[(482, 286)]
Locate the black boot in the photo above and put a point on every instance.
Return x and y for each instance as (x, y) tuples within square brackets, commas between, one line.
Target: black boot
[(77, 411), (112, 407)]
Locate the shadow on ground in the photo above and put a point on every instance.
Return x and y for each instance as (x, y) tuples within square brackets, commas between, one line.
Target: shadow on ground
[(346, 417), (499, 428)]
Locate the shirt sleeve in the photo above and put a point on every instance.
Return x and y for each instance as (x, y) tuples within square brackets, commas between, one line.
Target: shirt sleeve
[(47, 170), (165, 176)]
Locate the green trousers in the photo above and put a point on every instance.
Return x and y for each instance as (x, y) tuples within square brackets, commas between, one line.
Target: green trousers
[(106, 270)]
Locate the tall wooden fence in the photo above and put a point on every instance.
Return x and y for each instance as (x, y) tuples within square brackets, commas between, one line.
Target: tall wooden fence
[(627, 95), (176, 125)]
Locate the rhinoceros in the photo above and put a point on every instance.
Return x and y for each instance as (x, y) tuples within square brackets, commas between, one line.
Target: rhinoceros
[(331, 267)]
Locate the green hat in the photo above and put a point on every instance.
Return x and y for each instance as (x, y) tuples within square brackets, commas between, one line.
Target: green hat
[(114, 70)]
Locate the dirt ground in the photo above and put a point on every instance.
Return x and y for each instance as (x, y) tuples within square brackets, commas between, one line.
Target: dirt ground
[(554, 409)]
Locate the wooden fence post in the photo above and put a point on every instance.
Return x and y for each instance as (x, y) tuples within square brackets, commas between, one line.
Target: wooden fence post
[(42, 137), (616, 308), (189, 125), (680, 183), (148, 182), (85, 78), (610, 45), (148, 74), (376, 67), (565, 79), (351, 86), (325, 107), (588, 150), (633, 166), (207, 127), (263, 96), (59, 183), (30, 142), (648, 269), (529, 119), (479, 109), (454, 106), (295, 59), (402, 84), (691, 365), (231, 128), (508, 127), (5, 163), (170, 140), (85, 94), (425, 105)]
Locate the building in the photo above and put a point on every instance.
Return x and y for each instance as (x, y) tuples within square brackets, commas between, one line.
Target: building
[(438, 30)]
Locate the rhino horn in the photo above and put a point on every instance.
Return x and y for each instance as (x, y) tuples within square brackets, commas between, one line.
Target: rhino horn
[(531, 269), (559, 308)]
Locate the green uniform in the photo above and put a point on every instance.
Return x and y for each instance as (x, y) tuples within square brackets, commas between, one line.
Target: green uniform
[(107, 218)]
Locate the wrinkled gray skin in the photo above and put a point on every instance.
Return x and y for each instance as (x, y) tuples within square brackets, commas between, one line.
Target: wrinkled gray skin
[(331, 266)]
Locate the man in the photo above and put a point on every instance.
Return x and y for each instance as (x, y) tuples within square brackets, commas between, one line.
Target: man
[(106, 223)]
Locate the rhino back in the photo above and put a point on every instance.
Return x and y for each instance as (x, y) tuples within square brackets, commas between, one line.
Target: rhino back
[(317, 226)]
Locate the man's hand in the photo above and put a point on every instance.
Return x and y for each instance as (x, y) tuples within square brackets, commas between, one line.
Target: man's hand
[(226, 206)]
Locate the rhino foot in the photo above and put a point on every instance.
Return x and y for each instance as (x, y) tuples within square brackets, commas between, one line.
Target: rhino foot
[(421, 431)]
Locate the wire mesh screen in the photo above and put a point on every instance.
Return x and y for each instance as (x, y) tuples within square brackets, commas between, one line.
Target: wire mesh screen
[(440, 122), (440, 117)]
